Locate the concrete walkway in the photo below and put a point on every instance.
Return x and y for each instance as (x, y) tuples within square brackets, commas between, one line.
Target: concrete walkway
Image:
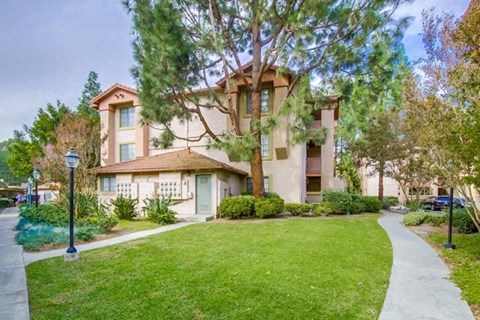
[(419, 286), (13, 284)]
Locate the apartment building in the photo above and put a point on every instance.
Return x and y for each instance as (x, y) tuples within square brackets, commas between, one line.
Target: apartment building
[(200, 177)]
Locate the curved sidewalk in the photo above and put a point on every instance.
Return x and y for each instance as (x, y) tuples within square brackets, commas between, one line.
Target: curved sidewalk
[(419, 286)]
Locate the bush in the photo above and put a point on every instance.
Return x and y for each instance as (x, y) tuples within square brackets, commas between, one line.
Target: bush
[(85, 203), (325, 208), (372, 204), (158, 210), (436, 218), (269, 207), (33, 236), (342, 200), (6, 202), (49, 213), (358, 204), (462, 222), (390, 201), (105, 222), (236, 207), (86, 233), (413, 205), (298, 209), (414, 218), (124, 207)]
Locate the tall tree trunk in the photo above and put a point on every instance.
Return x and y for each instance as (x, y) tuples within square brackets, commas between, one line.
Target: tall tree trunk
[(381, 173), (256, 164)]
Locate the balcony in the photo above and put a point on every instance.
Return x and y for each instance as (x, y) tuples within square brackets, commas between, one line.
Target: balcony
[(314, 166)]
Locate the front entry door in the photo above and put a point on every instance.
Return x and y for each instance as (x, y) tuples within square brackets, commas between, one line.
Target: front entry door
[(203, 186)]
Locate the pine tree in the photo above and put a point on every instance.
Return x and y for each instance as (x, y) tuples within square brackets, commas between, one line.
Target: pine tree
[(90, 90), (181, 45)]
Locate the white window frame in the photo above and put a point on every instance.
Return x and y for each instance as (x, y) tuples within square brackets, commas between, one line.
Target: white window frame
[(129, 113), (131, 154), (109, 182)]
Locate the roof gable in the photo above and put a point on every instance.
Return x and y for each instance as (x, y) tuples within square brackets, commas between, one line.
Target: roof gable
[(114, 89)]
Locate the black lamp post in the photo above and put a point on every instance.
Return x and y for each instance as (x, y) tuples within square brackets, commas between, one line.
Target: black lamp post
[(71, 159), (449, 244), (36, 176)]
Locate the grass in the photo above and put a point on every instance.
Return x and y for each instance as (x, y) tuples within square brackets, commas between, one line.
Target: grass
[(318, 268), (138, 224), (465, 264)]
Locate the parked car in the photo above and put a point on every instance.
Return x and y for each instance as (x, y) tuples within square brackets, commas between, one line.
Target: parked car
[(436, 202), (461, 203)]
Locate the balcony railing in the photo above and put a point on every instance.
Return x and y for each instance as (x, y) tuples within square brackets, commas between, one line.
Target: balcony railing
[(314, 165)]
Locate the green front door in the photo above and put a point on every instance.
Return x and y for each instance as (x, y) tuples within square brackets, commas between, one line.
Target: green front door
[(203, 186)]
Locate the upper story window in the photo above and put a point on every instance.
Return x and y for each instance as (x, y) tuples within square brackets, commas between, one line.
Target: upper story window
[(265, 100), (127, 117), (108, 184), (127, 152), (265, 145)]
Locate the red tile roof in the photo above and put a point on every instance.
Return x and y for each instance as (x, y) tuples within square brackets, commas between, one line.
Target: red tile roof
[(185, 159)]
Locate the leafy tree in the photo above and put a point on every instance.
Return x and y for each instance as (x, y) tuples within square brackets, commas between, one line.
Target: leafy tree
[(90, 90), (77, 131), (181, 45), (5, 172), (448, 98), (369, 120), (27, 145)]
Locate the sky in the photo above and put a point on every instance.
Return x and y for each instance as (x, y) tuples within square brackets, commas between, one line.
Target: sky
[(48, 48)]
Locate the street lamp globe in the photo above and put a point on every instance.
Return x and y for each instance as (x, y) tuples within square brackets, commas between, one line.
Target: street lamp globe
[(71, 159), (36, 174)]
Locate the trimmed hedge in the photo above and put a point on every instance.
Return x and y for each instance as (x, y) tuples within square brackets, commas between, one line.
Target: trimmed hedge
[(237, 207), (358, 204), (326, 208), (269, 207), (6, 202), (342, 200), (298, 209), (372, 204)]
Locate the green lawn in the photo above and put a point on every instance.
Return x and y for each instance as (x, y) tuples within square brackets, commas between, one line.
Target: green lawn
[(135, 225), (317, 268), (465, 262)]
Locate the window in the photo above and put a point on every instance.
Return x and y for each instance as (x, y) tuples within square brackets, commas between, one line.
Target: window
[(264, 100), (266, 184), (127, 152), (47, 196), (265, 145), (127, 117), (314, 184), (108, 184)]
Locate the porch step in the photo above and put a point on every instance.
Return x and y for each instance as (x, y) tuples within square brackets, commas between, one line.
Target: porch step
[(195, 217)]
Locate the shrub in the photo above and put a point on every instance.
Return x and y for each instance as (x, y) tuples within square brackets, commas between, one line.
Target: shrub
[(413, 205), (462, 222), (87, 232), (124, 207), (85, 203), (342, 200), (49, 213), (325, 208), (236, 207), (414, 218), (436, 218), (6, 202), (358, 204), (158, 210), (298, 209), (105, 222), (269, 207), (372, 204), (390, 201)]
